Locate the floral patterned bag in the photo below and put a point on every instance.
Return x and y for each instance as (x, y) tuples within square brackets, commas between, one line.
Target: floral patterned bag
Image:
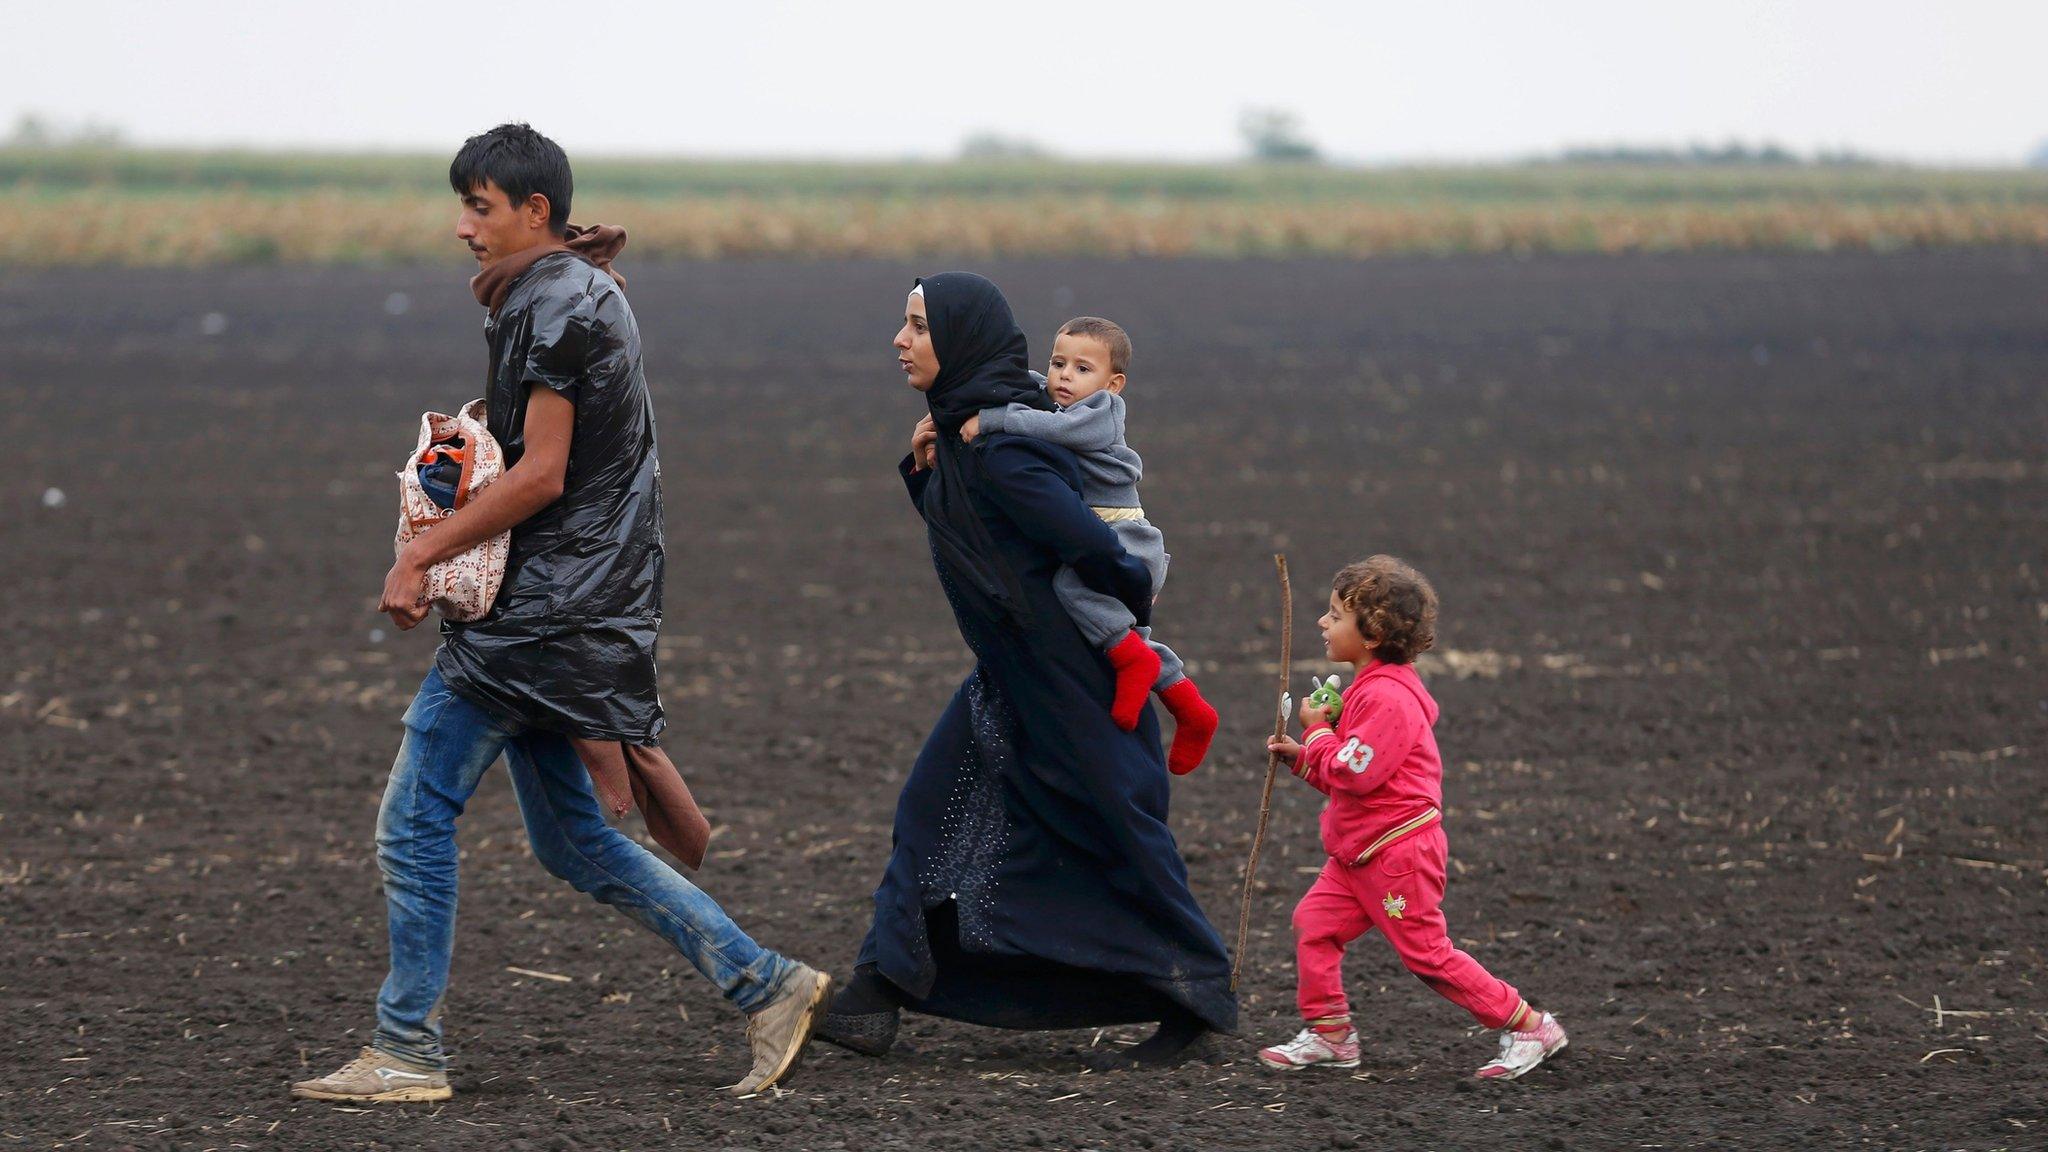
[(462, 588)]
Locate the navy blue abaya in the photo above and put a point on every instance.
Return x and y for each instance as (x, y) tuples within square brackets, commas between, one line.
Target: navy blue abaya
[(1033, 881)]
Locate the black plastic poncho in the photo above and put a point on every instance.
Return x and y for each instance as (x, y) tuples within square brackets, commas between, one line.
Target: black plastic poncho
[(569, 644)]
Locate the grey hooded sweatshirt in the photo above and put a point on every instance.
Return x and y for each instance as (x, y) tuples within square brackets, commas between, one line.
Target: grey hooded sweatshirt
[(1093, 427)]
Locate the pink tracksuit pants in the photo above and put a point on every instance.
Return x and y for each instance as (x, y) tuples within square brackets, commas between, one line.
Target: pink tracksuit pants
[(1399, 891)]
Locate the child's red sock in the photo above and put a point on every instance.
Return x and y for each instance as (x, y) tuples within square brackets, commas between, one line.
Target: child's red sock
[(1137, 666), (1194, 725)]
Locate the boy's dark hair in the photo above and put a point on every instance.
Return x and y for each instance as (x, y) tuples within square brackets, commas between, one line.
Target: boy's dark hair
[(1393, 604), (1108, 333), (520, 161)]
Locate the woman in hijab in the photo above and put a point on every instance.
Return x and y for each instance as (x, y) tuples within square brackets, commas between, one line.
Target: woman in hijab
[(1033, 881)]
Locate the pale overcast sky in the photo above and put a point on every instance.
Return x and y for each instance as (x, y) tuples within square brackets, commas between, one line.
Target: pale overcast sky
[(1962, 81)]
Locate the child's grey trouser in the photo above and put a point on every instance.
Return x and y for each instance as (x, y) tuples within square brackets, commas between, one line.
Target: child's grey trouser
[(1102, 618)]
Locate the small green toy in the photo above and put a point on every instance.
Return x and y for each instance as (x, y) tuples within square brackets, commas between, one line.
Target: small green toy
[(1325, 695)]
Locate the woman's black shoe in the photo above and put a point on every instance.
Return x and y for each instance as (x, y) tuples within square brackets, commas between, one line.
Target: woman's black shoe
[(863, 1015), (868, 1033), (1177, 1041)]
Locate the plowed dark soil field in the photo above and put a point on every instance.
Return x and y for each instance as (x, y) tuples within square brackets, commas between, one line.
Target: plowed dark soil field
[(1743, 666)]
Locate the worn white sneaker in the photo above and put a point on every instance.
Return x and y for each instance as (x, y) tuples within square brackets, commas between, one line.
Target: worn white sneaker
[(375, 1077), (1521, 1051), (1312, 1047), (779, 1032)]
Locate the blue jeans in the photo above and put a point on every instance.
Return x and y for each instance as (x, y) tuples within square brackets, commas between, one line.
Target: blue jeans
[(449, 743)]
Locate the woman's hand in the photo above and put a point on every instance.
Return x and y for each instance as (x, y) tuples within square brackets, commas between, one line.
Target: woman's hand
[(971, 429), (924, 445), (1313, 714), (1285, 747)]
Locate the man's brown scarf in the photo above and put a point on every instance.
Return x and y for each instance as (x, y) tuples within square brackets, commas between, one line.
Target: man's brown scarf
[(644, 774), (599, 244)]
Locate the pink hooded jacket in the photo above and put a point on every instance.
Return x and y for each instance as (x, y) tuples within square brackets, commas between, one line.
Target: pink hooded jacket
[(1379, 767)]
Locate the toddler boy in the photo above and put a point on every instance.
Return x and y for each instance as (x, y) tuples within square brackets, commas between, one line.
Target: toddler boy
[(1086, 377)]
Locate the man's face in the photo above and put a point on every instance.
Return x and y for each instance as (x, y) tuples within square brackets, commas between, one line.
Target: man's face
[(1079, 368), (495, 228)]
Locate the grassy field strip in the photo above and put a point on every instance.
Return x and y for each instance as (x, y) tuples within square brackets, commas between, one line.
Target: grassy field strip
[(175, 228), (81, 206)]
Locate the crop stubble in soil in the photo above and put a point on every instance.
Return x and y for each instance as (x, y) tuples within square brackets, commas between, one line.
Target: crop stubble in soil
[(1741, 670)]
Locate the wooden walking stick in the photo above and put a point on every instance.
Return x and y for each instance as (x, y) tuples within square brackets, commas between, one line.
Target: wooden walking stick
[(1251, 866)]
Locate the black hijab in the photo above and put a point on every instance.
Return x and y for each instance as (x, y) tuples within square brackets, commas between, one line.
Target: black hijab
[(984, 362)]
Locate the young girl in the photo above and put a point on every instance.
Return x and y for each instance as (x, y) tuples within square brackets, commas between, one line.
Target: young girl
[(1384, 833)]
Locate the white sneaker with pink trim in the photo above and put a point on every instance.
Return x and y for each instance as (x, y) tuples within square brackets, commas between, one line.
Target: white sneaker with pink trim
[(1521, 1051), (1312, 1047)]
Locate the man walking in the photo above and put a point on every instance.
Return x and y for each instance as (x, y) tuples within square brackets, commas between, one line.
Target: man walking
[(560, 675)]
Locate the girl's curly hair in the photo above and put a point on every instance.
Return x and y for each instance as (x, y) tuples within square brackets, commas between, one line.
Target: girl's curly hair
[(1394, 605)]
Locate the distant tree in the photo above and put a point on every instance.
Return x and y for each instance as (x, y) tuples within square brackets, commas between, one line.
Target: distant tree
[(1734, 152), (93, 134), (34, 131), (996, 146), (1273, 135), (31, 131), (2040, 157)]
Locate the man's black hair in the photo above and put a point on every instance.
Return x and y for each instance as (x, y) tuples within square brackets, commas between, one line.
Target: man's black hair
[(520, 161)]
